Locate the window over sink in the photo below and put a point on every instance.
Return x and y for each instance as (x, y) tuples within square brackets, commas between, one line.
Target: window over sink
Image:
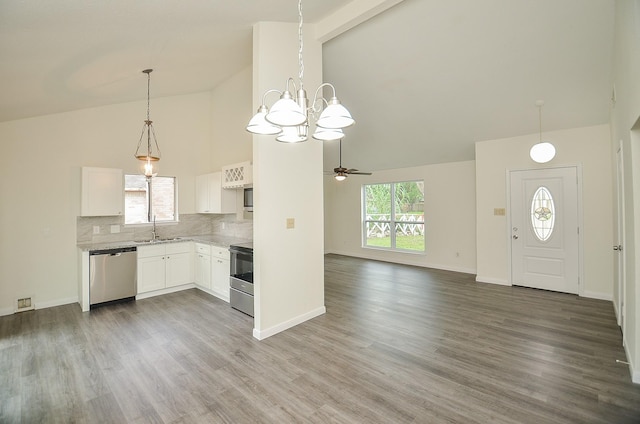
[(145, 199)]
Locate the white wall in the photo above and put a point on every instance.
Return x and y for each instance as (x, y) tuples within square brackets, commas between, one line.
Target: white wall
[(624, 117), (40, 183), (449, 216), (231, 108), (288, 263), (589, 147)]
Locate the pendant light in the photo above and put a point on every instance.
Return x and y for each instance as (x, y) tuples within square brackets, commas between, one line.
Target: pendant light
[(543, 151), (289, 117), (149, 152)]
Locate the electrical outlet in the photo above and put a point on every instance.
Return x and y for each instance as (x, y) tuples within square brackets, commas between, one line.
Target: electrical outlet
[(291, 223), (96, 229)]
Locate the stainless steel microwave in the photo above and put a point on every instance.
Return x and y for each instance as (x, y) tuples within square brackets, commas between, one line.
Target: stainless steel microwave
[(248, 199)]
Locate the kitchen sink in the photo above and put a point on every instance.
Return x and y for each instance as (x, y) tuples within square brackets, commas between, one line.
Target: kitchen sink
[(159, 240)]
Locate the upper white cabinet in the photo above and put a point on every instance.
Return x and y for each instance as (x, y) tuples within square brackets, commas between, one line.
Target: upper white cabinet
[(237, 175), (102, 192), (211, 198)]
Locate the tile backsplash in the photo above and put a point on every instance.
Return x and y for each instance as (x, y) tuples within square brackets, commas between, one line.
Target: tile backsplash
[(189, 225)]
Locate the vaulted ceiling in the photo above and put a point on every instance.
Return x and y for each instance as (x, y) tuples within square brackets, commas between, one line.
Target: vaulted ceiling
[(425, 79)]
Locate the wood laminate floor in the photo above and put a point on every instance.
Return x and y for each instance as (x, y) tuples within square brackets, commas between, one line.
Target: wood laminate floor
[(398, 344)]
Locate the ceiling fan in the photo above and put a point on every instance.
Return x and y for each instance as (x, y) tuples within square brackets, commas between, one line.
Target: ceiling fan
[(341, 173)]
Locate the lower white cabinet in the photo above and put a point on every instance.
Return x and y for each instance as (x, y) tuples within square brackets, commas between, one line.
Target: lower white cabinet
[(220, 272), (165, 265), (212, 269), (203, 265)]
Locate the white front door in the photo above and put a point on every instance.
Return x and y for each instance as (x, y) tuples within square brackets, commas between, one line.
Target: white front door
[(544, 229)]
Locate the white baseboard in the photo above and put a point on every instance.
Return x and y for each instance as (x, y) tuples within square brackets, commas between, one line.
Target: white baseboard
[(405, 261), (263, 334), (165, 291), (596, 295), (490, 280), (42, 305), (212, 293), (635, 374), (57, 302)]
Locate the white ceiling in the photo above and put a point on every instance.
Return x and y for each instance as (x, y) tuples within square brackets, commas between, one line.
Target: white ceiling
[(424, 80)]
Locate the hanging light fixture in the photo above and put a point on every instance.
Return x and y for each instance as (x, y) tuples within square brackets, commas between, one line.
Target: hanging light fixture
[(148, 153), (542, 151), (289, 117)]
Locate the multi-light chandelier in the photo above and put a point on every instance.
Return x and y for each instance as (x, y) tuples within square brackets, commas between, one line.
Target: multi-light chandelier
[(149, 154), (542, 151), (289, 117)]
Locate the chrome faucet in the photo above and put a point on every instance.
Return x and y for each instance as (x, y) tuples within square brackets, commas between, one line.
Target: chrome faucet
[(154, 234)]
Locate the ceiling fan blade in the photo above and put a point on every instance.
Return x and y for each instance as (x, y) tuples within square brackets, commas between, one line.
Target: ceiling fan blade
[(360, 173)]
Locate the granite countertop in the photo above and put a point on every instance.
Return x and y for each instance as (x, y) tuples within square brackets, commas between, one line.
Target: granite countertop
[(215, 240)]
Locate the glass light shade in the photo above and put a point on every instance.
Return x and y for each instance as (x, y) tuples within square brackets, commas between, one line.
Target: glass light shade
[(327, 134), (150, 168), (340, 176), (542, 152), (335, 116), (286, 112), (293, 134), (259, 125)]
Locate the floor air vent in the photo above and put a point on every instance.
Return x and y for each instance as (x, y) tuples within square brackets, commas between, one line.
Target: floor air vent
[(25, 304)]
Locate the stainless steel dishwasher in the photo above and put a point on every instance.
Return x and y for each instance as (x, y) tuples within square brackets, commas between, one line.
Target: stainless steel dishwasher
[(112, 275)]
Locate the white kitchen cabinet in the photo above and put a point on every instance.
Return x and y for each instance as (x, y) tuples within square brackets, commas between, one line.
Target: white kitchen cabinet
[(203, 265), (220, 266), (102, 192), (179, 269), (164, 266), (211, 197), (237, 175), (151, 273)]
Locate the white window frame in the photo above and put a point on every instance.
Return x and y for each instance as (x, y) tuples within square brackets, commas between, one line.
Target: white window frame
[(391, 222), (150, 214)]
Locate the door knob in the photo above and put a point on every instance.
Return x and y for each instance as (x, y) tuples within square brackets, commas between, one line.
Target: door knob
[(515, 237), (618, 247)]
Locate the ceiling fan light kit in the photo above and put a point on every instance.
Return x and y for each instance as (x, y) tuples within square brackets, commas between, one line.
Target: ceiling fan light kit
[(542, 151), (289, 117), (148, 153), (340, 173)]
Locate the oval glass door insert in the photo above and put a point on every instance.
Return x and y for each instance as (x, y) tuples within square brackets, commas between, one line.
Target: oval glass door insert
[(542, 213)]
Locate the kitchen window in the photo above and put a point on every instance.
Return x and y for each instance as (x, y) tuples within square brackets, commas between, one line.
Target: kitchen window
[(146, 200), (393, 216)]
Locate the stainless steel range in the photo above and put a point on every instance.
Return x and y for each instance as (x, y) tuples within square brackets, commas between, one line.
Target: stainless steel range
[(241, 277)]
